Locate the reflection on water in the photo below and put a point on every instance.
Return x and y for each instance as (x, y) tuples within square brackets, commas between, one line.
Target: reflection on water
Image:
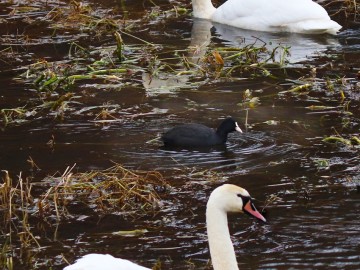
[(162, 83), (302, 47), (245, 152)]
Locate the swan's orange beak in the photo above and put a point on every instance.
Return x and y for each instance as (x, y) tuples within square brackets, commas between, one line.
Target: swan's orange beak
[(250, 209)]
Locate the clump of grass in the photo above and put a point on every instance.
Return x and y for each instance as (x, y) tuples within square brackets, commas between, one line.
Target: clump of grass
[(79, 15), (55, 81), (116, 189), (14, 115), (16, 199), (353, 141), (346, 7), (15, 204), (59, 77), (113, 190), (248, 60), (157, 13)]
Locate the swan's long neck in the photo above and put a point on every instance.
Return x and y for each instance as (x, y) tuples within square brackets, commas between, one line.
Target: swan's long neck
[(203, 9), (221, 248)]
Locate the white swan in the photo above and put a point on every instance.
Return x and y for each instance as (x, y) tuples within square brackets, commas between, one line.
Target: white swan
[(224, 199), (103, 262), (300, 16)]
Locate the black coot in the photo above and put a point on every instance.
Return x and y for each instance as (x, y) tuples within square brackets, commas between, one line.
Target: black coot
[(200, 135)]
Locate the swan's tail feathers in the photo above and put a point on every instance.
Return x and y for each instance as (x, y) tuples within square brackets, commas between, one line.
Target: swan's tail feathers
[(315, 27)]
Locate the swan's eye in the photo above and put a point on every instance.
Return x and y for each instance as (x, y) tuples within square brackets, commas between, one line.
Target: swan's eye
[(244, 198)]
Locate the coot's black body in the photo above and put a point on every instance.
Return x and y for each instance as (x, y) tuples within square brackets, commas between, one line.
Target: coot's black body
[(197, 135)]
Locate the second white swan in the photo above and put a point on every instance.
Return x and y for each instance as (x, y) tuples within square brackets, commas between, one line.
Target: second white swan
[(224, 199), (300, 16)]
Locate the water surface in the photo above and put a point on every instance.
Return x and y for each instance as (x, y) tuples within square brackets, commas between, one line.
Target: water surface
[(314, 220)]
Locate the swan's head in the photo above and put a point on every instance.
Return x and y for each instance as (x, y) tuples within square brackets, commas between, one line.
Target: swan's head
[(232, 198)]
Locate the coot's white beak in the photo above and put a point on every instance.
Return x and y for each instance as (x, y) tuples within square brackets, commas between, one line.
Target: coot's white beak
[(237, 128)]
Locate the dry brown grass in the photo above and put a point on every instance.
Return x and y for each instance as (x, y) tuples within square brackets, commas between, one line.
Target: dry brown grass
[(111, 190), (114, 190)]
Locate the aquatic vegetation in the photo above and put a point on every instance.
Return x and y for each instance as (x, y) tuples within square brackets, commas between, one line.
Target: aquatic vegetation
[(24, 205), (14, 115), (54, 82), (250, 60), (111, 190), (348, 8), (334, 99), (16, 202), (57, 81), (354, 140)]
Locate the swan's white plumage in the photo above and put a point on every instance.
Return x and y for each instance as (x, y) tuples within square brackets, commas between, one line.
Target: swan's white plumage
[(103, 262), (224, 199), (300, 16)]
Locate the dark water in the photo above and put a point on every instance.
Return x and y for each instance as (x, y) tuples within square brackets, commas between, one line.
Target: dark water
[(314, 221)]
